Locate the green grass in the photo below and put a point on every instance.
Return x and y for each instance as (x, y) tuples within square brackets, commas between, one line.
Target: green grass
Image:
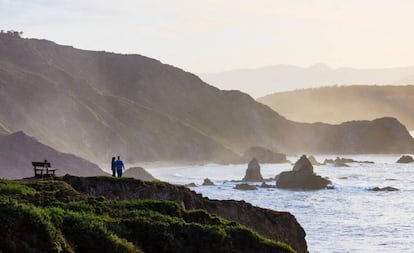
[(50, 216)]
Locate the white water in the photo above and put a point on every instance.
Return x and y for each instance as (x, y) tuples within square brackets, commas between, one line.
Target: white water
[(349, 218)]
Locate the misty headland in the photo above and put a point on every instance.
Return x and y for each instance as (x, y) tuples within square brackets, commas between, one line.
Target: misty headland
[(78, 108)]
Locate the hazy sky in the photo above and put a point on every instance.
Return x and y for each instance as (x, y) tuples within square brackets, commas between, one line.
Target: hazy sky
[(210, 36)]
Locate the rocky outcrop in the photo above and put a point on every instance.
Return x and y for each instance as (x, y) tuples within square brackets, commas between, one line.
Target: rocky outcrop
[(313, 161), (388, 189), (18, 151), (245, 187), (253, 172), (301, 177), (139, 173), (207, 182), (279, 226), (264, 155), (405, 159), (264, 185), (342, 162)]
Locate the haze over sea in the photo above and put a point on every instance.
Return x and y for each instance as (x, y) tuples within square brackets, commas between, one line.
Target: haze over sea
[(348, 218)]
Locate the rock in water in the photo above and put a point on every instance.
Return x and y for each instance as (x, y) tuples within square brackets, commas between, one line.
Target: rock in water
[(139, 173), (387, 189), (313, 160), (301, 177), (253, 172), (207, 181), (303, 165), (405, 159), (245, 187)]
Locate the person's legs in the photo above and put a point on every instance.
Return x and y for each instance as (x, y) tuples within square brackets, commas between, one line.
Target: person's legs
[(119, 172), (114, 173)]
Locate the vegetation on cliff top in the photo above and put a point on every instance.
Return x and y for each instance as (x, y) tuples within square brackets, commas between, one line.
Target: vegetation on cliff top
[(50, 216)]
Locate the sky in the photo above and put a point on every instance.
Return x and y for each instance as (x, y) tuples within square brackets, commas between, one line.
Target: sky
[(215, 35)]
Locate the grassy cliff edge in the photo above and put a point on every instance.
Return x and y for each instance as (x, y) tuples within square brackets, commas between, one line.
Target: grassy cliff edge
[(51, 216)]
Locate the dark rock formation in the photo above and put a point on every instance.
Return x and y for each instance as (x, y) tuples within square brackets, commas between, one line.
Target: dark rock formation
[(388, 188), (301, 177), (313, 161), (264, 155), (245, 187), (190, 185), (207, 182), (253, 172), (303, 165), (139, 173), (264, 185), (405, 159), (279, 226), (18, 151)]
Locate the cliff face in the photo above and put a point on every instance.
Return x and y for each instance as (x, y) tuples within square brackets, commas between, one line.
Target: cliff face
[(97, 105), (279, 226)]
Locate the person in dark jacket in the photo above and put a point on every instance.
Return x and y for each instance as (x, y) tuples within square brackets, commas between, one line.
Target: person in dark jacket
[(113, 167)]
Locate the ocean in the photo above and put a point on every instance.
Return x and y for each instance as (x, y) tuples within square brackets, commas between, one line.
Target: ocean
[(348, 218)]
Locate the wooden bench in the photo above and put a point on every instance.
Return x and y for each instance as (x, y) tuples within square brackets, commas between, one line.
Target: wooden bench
[(43, 169)]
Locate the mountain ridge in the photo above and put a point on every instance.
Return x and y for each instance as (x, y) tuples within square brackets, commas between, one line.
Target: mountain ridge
[(336, 104), (98, 105), (266, 80)]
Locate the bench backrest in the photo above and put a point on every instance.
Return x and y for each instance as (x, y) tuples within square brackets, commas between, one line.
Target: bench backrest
[(41, 164)]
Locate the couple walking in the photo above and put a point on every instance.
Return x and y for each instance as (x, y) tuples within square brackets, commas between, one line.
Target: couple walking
[(117, 167)]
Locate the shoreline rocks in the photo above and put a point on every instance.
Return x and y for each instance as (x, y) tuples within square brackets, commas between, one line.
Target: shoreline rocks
[(388, 189), (301, 177)]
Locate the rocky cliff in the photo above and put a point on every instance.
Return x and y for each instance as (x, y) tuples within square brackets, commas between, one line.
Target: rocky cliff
[(279, 226)]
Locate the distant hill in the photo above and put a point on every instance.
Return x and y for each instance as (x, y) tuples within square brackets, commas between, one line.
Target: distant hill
[(345, 103), (98, 105), (18, 151), (267, 80)]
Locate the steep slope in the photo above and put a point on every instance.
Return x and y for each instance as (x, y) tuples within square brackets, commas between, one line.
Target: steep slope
[(98, 104), (345, 103), (263, 81), (18, 150)]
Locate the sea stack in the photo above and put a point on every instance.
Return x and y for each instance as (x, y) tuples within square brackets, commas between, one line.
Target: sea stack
[(301, 177), (253, 172), (207, 182), (405, 159)]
